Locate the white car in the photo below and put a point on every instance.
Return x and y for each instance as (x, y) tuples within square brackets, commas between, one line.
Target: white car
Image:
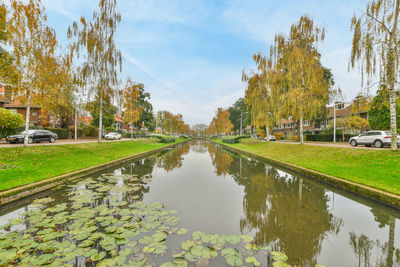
[(377, 138), (270, 138), (113, 136)]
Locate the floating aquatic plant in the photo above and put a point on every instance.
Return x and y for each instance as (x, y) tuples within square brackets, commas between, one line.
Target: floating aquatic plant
[(99, 224)]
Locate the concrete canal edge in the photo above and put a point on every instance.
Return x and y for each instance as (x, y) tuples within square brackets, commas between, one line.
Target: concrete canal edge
[(30, 189), (375, 194)]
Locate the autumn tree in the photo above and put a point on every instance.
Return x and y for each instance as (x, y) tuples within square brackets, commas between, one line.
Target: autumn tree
[(8, 73), (222, 123), (357, 124), (96, 39), (300, 71), (376, 47), (32, 44), (131, 95)]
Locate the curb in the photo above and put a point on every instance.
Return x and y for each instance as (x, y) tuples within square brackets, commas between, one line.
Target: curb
[(372, 193), (30, 189)]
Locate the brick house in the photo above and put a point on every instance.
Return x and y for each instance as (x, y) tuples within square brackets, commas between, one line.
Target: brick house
[(343, 109), (18, 105)]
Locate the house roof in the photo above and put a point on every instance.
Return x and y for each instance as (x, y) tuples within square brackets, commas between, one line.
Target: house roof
[(4, 99), (86, 119), (20, 102), (118, 119)]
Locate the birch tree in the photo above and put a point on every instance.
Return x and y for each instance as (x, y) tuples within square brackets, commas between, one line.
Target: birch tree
[(376, 48), (301, 73), (96, 38), (32, 44)]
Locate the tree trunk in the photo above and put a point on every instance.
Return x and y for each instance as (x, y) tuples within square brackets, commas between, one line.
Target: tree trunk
[(301, 136), (101, 118), (27, 117), (391, 77), (267, 133)]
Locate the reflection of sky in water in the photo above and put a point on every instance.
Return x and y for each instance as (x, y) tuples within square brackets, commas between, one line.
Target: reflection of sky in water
[(188, 182)]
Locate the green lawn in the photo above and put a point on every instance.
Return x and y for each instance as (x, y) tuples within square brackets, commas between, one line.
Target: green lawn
[(20, 166), (375, 168)]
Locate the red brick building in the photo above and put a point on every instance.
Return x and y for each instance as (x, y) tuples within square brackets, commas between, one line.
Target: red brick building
[(18, 105), (4, 99)]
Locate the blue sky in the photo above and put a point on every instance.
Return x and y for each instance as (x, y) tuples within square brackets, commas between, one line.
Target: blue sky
[(190, 53)]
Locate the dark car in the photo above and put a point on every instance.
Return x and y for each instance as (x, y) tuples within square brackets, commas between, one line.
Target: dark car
[(34, 136)]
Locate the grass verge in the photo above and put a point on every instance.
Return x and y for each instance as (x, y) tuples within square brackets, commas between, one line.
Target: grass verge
[(20, 166), (376, 168)]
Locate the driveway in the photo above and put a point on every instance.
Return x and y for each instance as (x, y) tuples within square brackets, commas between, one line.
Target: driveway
[(340, 144), (62, 142)]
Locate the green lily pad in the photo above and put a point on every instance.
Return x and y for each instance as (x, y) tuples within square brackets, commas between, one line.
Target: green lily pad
[(253, 260), (98, 256), (279, 256)]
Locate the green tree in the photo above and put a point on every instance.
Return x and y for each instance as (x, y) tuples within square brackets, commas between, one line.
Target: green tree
[(108, 112), (239, 108), (97, 39), (9, 122), (376, 48), (146, 117), (357, 124), (379, 112)]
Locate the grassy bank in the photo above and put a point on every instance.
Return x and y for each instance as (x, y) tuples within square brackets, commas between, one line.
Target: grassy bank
[(376, 168), (21, 166)]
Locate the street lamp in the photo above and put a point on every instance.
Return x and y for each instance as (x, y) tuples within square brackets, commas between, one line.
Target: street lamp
[(241, 119)]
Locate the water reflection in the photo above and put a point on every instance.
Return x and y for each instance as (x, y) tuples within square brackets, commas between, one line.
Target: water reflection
[(310, 222)]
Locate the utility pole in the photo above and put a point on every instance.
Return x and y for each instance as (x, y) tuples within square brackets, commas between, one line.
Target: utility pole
[(76, 123), (334, 122)]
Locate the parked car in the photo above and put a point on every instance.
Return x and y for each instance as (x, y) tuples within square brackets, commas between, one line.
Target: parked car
[(377, 138), (113, 136), (34, 136), (270, 138)]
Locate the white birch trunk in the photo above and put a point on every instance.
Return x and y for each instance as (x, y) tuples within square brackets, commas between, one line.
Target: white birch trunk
[(301, 136), (101, 118), (27, 117), (267, 133)]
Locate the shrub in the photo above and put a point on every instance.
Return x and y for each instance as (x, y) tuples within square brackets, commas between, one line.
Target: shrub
[(9, 122), (328, 137), (233, 139), (109, 129), (61, 132), (295, 138), (79, 132), (249, 141), (150, 140), (164, 138), (279, 136), (90, 131)]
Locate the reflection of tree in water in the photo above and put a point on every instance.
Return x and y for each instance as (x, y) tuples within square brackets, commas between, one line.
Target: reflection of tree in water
[(172, 159), (388, 256), (221, 160), (284, 213), (199, 146)]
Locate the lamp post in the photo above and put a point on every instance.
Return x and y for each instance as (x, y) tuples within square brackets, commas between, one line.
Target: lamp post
[(241, 119)]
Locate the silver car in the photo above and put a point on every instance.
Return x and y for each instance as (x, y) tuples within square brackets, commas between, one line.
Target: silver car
[(270, 138), (377, 138), (113, 136)]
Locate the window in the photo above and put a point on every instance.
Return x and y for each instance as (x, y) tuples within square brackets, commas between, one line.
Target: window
[(340, 106), (307, 123), (13, 110)]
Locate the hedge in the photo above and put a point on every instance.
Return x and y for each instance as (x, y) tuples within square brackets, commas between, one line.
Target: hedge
[(328, 137), (79, 132), (233, 139), (90, 131), (164, 139), (61, 132)]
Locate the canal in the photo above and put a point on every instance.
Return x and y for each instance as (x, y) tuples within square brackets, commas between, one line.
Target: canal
[(214, 191)]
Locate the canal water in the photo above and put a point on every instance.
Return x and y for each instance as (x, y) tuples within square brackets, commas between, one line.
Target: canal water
[(215, 190)]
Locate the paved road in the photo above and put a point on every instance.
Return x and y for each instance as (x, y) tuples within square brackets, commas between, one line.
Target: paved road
[(62, 142), (346, 145)]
